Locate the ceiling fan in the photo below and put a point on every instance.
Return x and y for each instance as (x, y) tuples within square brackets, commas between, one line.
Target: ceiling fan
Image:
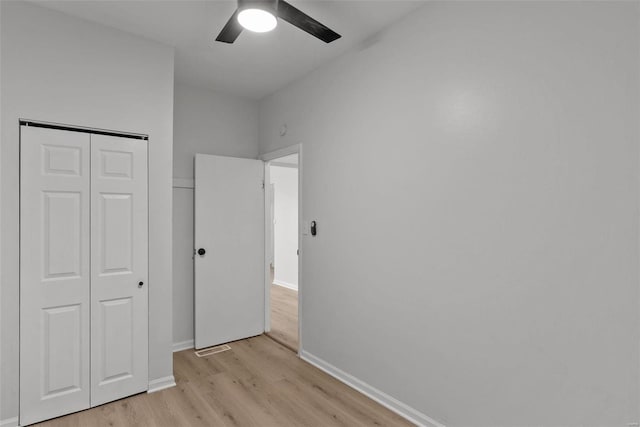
[(261, 16)]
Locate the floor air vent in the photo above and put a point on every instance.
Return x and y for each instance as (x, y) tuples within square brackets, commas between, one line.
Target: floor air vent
[(212, 350)]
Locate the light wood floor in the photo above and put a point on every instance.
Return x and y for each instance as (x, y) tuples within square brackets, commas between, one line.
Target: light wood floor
[(257, 383), (284, 316)]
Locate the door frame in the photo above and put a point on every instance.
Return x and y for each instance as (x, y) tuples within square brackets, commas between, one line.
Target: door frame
[(267, 158)]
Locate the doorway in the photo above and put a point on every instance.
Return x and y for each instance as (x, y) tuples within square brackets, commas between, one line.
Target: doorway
[(282, 249)]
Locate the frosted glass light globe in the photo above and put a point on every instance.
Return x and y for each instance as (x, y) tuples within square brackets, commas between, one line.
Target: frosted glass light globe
[(257, 20)]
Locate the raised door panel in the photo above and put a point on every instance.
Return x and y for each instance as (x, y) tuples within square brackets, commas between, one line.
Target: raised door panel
[(58, 160), (54, 273), (116, 333), (116, 164), (62, 352), (116, 229), (119, 239), (62, 234)]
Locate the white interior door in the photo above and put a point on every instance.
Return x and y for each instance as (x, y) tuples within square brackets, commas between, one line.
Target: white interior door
[(119, 288), (229, 227), (54, 273)]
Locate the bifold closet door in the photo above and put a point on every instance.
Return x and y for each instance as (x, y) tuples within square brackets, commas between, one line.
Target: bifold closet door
[(83, 271), (54, 273), (119, 288)]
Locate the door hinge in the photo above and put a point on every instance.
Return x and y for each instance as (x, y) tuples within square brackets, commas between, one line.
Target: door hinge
[(263, 184)]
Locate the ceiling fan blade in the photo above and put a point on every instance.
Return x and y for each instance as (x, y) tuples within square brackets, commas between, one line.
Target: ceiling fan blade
[(231, 30), (305, 22)]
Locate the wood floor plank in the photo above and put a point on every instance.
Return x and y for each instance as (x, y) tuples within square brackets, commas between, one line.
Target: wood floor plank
[(258, 383)]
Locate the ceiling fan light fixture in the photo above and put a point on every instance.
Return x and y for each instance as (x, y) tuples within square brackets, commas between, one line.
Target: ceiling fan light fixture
[(262, 15), (257, 20)]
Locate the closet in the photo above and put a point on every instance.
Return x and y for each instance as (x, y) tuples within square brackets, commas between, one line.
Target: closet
[(83, 270)]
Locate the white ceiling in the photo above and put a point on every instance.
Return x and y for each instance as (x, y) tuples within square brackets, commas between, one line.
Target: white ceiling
[(256, 64)]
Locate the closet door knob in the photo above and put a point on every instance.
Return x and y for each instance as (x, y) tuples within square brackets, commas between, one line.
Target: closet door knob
[(140, 284), (201, 251)]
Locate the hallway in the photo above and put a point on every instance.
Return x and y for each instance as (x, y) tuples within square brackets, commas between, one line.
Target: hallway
[(284, 316)]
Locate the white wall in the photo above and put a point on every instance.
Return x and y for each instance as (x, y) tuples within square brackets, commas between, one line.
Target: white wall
[(211, 123), (183, 320), (285, 180), (474, 174), (60, 69)]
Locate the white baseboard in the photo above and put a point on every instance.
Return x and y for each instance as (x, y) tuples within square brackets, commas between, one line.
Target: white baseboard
[(161, 384), (405, 411), (183, 345), (285, 285), (9, 422)]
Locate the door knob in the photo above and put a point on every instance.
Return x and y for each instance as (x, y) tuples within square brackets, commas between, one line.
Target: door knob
[(140, 284), (201, 251)]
